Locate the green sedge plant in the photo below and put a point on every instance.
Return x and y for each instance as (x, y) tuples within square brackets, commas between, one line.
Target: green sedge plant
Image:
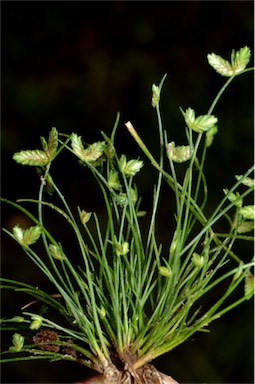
[(129, 299)]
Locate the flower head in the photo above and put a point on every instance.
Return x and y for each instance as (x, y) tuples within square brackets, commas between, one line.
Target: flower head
[(239, 61), (27, 236), (155, 95), (199, 124), (165, 271), (131, 167), (90, 154), (248, 212), (36, 323), (56, 252), (121, 248), (198, 260), (17, 343), (84, 216), (113, 180), (178, 154)]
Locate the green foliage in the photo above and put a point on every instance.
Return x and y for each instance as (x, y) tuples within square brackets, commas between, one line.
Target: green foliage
[(127, 295)]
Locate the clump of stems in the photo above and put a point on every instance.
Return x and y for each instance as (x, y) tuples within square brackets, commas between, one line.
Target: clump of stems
[(130, 298)]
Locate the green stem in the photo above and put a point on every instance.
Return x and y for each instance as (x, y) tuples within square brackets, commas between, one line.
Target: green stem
[(230, 79)]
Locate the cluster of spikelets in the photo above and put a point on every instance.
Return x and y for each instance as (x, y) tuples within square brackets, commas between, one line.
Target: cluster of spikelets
[(94, 155)]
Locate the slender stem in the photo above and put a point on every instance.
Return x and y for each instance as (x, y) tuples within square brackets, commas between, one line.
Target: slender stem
[(230, 79)]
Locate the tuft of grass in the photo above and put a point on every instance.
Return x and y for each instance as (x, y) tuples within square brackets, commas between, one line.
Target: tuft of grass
[(130, 298)]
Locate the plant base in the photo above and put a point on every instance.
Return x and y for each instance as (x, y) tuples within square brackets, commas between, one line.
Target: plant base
[(147, 374)]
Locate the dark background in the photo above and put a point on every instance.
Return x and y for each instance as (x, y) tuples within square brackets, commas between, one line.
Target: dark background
[(73, 65)]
